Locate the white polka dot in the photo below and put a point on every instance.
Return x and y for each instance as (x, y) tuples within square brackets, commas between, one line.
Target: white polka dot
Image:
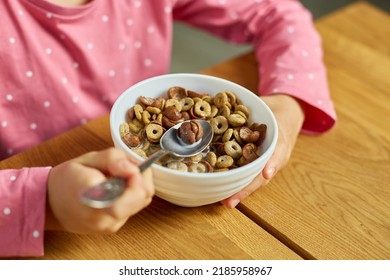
[(105, 18), (33, 126), (29, 74), (222, 2), (290, 77), (9, 97), (137, 4), (7, 211), (129, 22), (290, 29), (311, 76), (49, 15), (111, 73), (48, 51), (36, 234), (90, 46), (75, 65), (10, 151), (147, 62), (46, 104), (137, 45), (305, 53), (12, 40), (121, 46), (4, 124), (20, 12), (151, 29), (275, 90), (319, 102), (167, 10), (12, 177), (75, 99), (64, 80), (234, 16)]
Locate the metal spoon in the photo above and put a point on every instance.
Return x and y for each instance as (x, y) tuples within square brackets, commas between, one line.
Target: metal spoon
[(104, 194)]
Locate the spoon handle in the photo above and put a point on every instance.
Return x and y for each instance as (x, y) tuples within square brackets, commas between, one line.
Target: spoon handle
[(104, 194)]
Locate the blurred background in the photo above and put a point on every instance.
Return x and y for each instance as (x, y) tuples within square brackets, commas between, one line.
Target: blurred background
[(189, 55)]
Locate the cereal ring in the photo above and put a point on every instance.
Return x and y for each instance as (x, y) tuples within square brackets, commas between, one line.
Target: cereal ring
[(174, 102), (154, 132), (227, 135), (177, 93), (211, 158), (130, 113), (138, 111), (124, 129), (236, 134), (172, 113), (196, 158), (177, 165), (214, 111), (146, 117), (249, 152), (224, 161), (233, 149), (236, 120), (153, 110), (208, 99), (186, 103), (135, 126), (220, 99), (202, 108), (219, 124), (262, 129), (247, 135), (243, 109), (231, 97), (224, 111), (200, 167), (132, 140)]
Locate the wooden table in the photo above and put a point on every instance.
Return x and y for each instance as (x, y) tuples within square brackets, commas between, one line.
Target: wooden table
[(332, 201)]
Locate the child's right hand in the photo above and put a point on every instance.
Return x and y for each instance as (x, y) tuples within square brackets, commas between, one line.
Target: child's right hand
[(66, 181)]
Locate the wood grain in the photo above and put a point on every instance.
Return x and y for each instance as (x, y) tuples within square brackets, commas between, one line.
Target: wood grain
[(332, 201), (161, 231)]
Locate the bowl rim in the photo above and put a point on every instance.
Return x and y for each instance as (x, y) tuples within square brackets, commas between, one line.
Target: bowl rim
[(213, 175)]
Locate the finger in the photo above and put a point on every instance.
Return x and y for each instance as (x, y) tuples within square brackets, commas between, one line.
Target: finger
[(103, 160), (136, 197)]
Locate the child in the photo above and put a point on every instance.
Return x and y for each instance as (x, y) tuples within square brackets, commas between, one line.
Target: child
[(63, 63)]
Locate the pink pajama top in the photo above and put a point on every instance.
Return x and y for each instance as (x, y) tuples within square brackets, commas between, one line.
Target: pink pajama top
[(61, 67)]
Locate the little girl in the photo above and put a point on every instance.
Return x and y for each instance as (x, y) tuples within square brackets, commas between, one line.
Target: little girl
[(63, 63)]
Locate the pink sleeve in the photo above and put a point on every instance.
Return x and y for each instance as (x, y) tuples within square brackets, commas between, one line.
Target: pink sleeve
[(286, 44), (22, 211)]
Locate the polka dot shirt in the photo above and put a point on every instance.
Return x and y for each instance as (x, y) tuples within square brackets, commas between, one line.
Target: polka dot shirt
[(62, 66)]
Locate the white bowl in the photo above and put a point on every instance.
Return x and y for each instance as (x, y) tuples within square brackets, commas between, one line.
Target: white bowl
[(197, 189)]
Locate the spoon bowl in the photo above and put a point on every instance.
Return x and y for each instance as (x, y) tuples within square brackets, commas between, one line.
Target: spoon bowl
[(104, 194)]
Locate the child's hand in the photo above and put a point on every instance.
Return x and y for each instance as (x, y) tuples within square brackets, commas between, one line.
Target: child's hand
[(65, 211), (290, 117)]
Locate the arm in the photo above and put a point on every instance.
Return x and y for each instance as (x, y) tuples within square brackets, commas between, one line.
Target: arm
[(33, 200), (286, 45), (22, 206), (291, 72)]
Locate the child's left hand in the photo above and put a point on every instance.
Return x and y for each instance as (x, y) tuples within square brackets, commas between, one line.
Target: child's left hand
[(289, 116)]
